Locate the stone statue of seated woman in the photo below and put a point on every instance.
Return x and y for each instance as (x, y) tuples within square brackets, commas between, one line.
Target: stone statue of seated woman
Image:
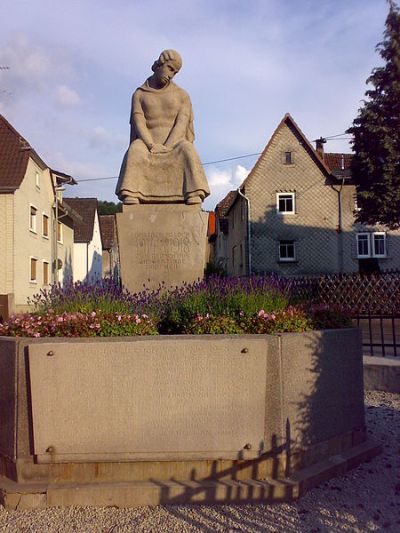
[(161, 164)]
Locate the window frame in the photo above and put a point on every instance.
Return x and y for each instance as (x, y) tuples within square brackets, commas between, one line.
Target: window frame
[(46, 281), (368, 241), (372, 246), (285, 157), (45, 216), (37, 180), (33, 218), (287, 242), (33, 261), (293, 197)]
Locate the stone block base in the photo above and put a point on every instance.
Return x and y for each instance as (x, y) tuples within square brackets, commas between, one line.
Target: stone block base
[(161, 244), (225, 491)]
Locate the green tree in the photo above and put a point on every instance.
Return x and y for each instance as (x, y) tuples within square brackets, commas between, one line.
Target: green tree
[(376, 134), (109, 208)]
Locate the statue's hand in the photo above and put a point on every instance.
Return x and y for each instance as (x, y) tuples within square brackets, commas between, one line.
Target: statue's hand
[(159, 149)]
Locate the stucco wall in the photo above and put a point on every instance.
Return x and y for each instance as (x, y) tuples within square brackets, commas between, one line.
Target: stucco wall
[(6, 243), (66, 254), (95, 252), (237, 239), (27, 243), (87, 257)]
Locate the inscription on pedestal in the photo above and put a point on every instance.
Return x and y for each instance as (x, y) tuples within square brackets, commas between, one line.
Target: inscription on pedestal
[(161, 244), (171, 249)]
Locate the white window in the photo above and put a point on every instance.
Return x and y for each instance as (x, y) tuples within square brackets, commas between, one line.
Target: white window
[(379, 244), (33, 270), (287, 251), (32, 218), (37, 180), (285, 203), (363, 248), (371, 244)]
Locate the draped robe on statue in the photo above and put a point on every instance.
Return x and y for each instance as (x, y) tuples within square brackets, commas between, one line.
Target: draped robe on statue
[(174, 176)]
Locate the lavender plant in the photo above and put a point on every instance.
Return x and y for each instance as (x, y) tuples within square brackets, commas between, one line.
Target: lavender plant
[(259, 304)]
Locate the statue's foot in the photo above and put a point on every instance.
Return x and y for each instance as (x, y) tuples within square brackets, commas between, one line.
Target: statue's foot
[(193, 200), (130, 200)]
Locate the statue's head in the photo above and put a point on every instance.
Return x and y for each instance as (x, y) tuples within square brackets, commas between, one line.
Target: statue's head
[(166, 66)]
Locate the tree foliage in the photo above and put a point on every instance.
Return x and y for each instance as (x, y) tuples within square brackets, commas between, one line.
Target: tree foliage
[(376, 135), (109, 208)]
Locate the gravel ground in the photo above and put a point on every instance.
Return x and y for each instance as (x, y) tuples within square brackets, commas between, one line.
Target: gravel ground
[(366, 499)]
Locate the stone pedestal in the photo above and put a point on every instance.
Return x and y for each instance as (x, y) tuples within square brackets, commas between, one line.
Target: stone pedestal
[(161, 243)]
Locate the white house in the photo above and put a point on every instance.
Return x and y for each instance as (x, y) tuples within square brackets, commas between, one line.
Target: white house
[(87, 257)]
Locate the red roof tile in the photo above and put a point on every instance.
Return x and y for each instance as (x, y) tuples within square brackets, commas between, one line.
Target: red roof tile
[(339, 164), (14, 155), (225, 204), (86, 208), (108, 231)]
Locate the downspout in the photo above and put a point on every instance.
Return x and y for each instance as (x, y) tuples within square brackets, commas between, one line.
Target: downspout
[(248, 230)]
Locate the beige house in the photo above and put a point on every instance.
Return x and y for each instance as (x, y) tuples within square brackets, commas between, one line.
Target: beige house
[(36, 233), (294, 215)]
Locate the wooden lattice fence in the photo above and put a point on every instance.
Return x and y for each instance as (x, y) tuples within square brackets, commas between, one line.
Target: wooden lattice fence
[(377, 294)]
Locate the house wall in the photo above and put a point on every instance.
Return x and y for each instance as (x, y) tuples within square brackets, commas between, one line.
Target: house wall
[(95, 252), (80, 266), (28, 243), (221, 247), (321, 246), (66, 254), (87, 257), (237, 239), (6, 243), (314, 224)]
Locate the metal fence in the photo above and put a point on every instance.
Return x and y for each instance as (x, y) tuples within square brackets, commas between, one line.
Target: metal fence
[(380, 334), (372, 301)]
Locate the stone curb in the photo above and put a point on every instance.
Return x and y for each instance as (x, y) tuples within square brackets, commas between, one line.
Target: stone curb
[(382, 373)]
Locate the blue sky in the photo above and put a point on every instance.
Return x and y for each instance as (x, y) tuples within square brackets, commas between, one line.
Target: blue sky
[(75, 63)]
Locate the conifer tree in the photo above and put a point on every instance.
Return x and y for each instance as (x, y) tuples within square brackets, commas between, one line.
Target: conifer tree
[(376, 135)]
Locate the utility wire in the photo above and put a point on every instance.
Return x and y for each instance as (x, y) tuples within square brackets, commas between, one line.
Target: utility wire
[(332, 137), (208, 163)]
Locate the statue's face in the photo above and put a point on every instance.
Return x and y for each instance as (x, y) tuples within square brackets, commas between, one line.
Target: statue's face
[(165, 72)]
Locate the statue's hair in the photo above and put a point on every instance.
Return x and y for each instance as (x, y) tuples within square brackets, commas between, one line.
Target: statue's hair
[(167, 55)]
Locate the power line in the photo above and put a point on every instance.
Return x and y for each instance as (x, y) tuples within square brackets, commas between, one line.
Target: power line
[(208, 163), (332, 137)]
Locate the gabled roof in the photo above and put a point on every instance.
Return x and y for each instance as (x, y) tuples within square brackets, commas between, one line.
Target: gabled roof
[(222, 208), (288, 121), (14, 156), (339, 164), (107, 230), (86, 208)]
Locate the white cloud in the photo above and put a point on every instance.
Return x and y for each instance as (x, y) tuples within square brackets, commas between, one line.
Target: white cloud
[(99, 137), (223, 181), (67, 97)]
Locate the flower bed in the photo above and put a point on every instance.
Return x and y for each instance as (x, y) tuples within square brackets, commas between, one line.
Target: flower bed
[(215, 306)]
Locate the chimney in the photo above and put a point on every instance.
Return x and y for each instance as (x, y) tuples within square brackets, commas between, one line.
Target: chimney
[(319, 146)]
